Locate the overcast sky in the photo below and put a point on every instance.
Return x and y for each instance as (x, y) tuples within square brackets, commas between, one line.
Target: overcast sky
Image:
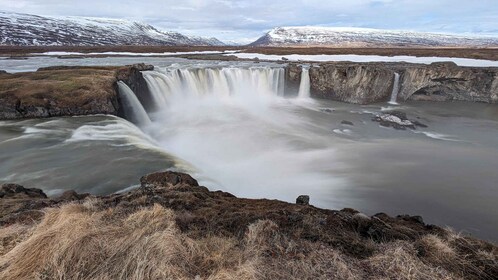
[(245, 20)]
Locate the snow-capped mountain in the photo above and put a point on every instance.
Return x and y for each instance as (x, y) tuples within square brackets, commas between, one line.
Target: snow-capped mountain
[(25, 30), (366, 37)]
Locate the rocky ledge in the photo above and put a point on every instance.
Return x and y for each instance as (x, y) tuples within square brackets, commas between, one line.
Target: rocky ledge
[(260, 238), (365, 83), (67, 91)]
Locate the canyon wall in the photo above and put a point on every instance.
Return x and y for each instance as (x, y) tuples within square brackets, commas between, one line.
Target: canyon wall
[(364, 83)]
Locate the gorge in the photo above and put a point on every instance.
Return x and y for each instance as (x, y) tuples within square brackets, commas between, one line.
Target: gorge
[(211, 119)]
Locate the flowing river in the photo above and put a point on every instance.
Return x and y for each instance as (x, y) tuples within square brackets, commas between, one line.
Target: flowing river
[(234, 127)]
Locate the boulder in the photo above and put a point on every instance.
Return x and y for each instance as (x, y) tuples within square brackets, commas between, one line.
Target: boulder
[(347, 123), (303, 200), (16, 191), (168, 177)]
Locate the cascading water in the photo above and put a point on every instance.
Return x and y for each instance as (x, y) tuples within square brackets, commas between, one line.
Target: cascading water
[(394, 93), (236, 129), (133, 109), (249, 83), (304, 86)]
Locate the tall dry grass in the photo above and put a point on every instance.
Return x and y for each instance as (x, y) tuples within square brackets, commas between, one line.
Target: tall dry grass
[(86, 241)]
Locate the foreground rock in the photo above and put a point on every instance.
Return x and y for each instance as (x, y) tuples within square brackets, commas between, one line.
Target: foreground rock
[(67, 91), (213, 232)]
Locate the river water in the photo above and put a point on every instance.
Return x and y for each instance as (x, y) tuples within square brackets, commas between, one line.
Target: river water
[(230, 127)]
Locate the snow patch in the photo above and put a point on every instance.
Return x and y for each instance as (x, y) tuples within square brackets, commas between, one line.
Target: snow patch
[(370, 58)]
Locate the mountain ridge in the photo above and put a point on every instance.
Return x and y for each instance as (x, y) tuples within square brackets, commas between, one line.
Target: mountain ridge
[(19, 29), (367, 37)]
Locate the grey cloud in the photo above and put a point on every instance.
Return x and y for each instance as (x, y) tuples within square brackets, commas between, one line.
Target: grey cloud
[(245, 19)]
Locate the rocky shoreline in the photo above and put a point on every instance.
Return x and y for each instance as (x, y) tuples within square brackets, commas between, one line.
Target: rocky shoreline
[(289, 233)]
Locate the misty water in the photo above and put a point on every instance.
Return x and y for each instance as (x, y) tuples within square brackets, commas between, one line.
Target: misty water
[(229, 125)]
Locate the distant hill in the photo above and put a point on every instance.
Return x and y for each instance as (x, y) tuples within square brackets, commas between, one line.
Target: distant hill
[(366, 37), (31, 30)]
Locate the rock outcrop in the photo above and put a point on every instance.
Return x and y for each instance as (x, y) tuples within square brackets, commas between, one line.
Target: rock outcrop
[(68, 91), (447, 81), (364, 83)]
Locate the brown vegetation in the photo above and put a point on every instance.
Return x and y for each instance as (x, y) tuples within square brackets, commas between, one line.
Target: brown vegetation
[(83, 85), (477, 53), (171, 228)]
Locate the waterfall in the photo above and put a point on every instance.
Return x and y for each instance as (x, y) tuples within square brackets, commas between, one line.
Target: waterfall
[(219, 82), (133, 109), (394, 94), (304, 86)]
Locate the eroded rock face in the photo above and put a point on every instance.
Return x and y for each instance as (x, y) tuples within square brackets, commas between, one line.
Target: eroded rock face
[(133, 77), (361, 84), (447, 81), (364, 83)]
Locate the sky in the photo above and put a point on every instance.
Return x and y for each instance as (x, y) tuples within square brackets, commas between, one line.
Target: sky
[(244, 21)]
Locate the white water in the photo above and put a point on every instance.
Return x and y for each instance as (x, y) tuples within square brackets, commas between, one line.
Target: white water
[(234, 126), (394, 94), (228, 84), (304, 86), (134, 110)]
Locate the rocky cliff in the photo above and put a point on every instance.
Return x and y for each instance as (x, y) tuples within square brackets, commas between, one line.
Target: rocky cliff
[(68, 91), (364, 83)]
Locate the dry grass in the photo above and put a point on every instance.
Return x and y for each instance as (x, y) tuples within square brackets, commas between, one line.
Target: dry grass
[(90, 241), (70, 87)]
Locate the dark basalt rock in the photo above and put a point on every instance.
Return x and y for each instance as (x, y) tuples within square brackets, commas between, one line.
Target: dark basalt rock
[(132, 76), (168, 177), (347, 123), (303, 200), (15, 190), (397, 120), (327, 110)]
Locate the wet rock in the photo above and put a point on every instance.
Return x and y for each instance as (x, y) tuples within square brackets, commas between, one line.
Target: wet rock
[(347, 123), (327, 110), (397, 120), (303, 200), (388, 120), (16, 191), (419, 124)]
